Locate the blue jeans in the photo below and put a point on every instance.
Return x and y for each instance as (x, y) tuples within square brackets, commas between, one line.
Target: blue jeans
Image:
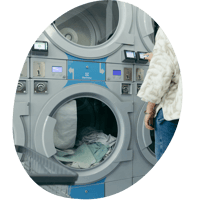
[(164, 131)]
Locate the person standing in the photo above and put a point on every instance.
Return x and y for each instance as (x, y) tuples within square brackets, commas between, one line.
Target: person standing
[(162, 89)]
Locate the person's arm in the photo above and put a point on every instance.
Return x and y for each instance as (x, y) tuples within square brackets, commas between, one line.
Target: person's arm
[(158, 77), (149, 115), (159, 74)]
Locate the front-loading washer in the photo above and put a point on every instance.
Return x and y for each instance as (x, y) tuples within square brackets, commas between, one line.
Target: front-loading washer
[(93, 48)]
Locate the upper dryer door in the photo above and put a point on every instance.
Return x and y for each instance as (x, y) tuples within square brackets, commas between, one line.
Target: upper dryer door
[(146, 28), (94, 30)]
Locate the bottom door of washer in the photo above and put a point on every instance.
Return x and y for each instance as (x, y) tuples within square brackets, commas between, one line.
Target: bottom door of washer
[(95, 116)]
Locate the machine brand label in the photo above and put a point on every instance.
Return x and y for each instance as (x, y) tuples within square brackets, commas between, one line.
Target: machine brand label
[(86, 71)]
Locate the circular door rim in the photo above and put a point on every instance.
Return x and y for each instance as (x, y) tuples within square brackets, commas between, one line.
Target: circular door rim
[(99, 51), (144, 26), (143, 138), (119, 109)]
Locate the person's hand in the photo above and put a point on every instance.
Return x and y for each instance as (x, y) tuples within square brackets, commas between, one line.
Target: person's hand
[(150, 55), (148, 120)]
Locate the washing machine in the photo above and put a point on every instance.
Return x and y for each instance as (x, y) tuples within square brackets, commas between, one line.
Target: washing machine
[(92, 55)]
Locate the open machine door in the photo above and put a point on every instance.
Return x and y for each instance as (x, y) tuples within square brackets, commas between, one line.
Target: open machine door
[(44, 139)]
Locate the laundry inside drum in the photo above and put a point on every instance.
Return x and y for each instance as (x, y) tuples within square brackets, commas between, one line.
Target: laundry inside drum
[(85, 133)]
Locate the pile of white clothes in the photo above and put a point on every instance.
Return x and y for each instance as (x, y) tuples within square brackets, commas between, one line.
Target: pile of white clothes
[(92, 148), (66, 126), (108, 140)]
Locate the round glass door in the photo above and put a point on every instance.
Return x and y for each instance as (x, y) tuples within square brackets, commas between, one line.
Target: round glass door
[(91, 24), (85, 133)]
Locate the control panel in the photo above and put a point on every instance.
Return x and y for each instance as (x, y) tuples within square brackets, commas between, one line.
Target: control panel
[(58, 71), (48, 68), (127, 74), (139, 74), (38, 69), (119, 72), (40, 48), (129, 56), (141, 57)]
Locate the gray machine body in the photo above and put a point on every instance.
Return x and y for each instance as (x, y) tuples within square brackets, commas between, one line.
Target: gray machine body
[(33, 122)]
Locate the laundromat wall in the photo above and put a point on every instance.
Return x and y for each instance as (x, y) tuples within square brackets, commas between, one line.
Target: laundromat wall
[(90, 48)]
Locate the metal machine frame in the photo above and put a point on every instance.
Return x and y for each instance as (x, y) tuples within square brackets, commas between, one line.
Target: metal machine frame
[(46, 91)]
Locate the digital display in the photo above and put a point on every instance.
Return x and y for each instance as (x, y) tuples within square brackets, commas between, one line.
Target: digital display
[(40, 46), (56, 69), (130, 54), (142, 55), (117, 72)]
